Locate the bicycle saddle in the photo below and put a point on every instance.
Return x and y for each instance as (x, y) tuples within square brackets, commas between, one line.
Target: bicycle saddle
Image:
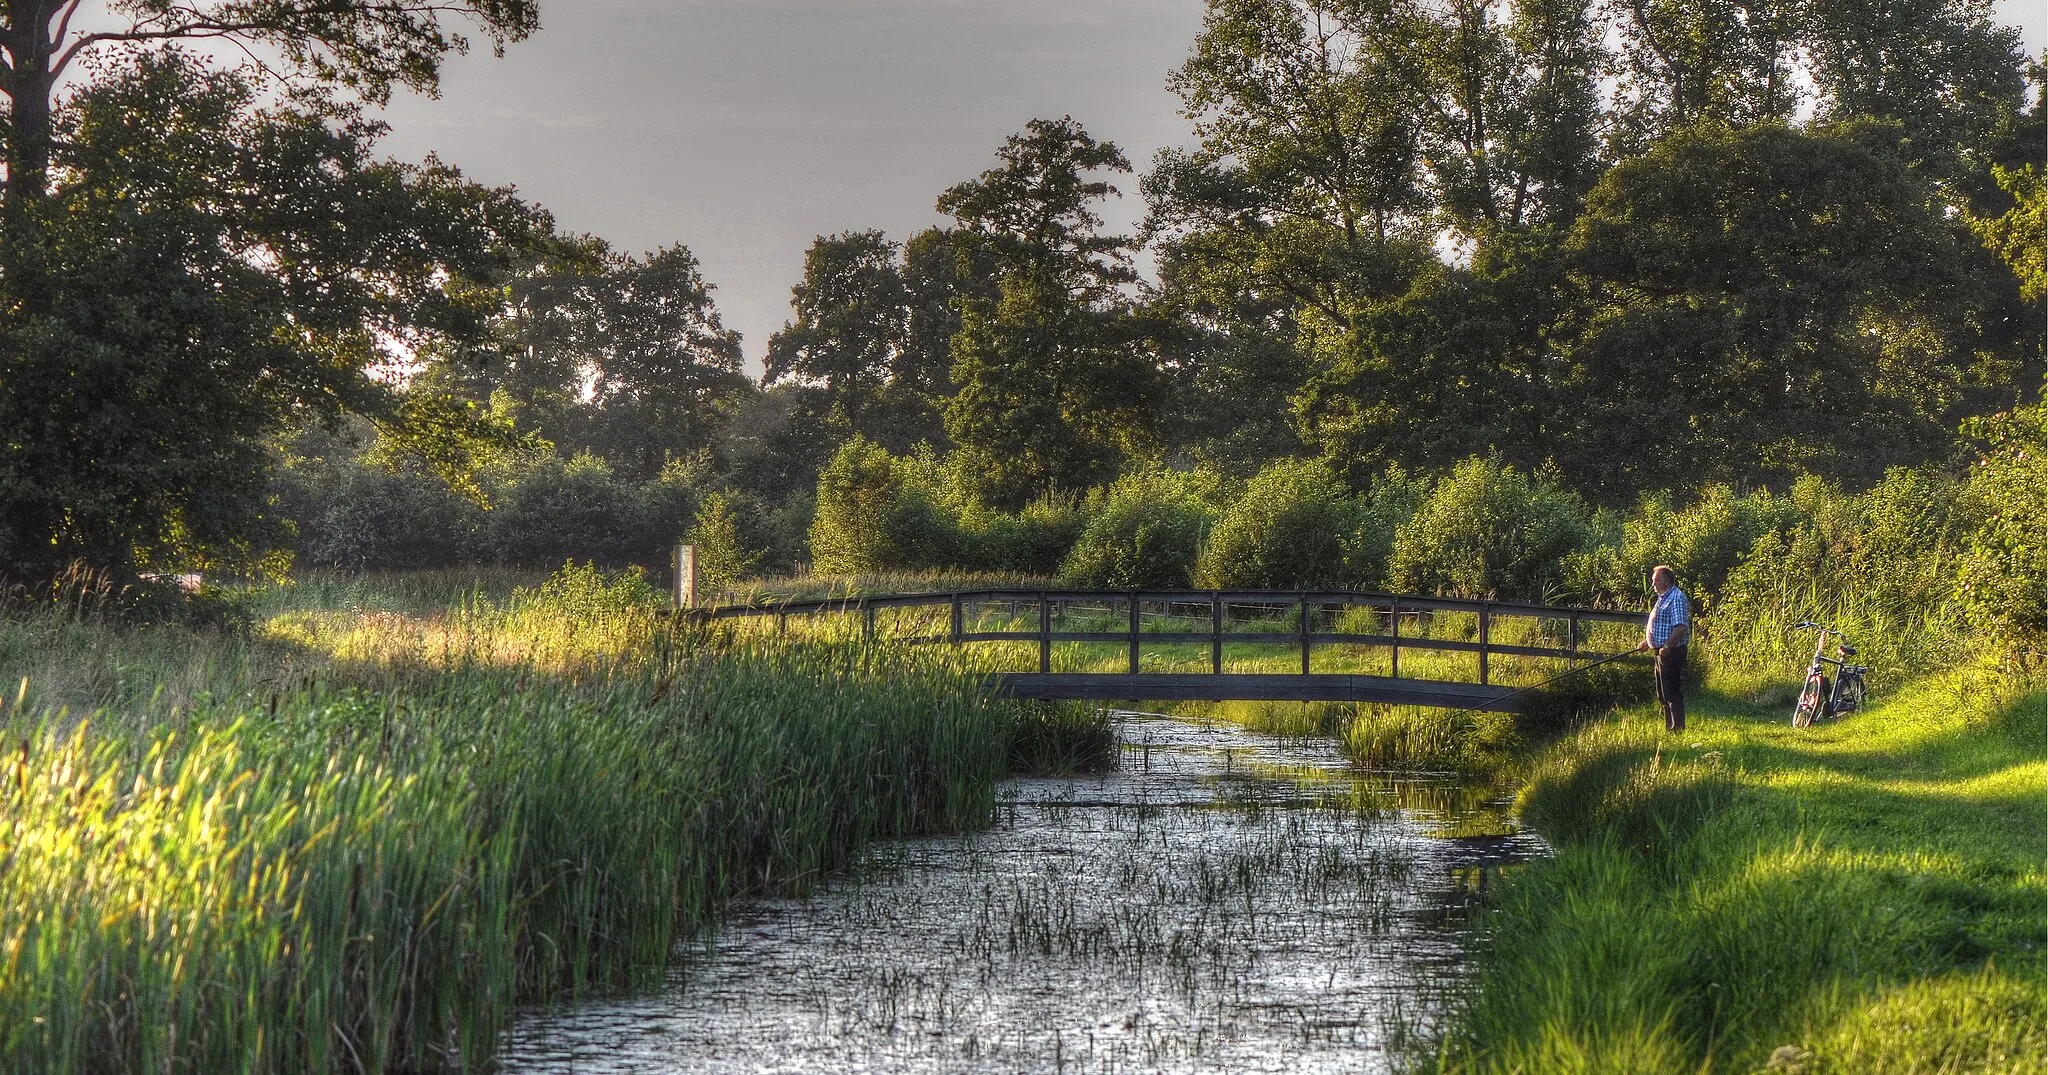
[(1847, 651)]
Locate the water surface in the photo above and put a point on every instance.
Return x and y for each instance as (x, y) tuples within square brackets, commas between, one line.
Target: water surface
[(1227, 902)]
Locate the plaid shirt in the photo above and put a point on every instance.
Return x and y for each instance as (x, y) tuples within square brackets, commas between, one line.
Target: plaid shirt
[(1669, 612)]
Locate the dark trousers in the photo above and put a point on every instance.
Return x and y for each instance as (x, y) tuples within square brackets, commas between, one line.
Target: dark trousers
[(1671, 686)]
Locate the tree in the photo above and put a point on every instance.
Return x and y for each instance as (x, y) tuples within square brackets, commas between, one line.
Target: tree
[(1751, 315), (211, 270), (1230, 362), (2019, 236), (662, 363), (1385, 189), (179, 271), (943, 270), (1307, 172), (721, 559), (535, 358), (367, 46), (852, 314), (1461, 364), (1341, 144), (1337, 137), (1942, 69), (1053, 384)]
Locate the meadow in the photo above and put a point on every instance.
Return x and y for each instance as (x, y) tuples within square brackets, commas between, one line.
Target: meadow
[(357, 833), (1861, 896), (358, 830)]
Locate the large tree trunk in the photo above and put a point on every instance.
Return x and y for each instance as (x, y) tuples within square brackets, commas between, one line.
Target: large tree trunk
[(25, 36), (29, 83)]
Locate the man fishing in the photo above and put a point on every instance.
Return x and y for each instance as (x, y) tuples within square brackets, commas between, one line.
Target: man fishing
[(1667, 631)]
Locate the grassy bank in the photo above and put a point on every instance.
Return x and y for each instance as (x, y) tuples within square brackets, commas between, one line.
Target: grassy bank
[(1865, 896), (354, 837)]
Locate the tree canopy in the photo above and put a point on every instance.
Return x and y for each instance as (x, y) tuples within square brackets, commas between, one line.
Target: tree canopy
[(1052, 385), (207, 270), (1617, 248)]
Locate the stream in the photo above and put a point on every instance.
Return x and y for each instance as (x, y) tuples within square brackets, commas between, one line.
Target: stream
[(1225, 902)]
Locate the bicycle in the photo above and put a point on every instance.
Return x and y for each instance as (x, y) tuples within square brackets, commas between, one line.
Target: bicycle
[(1823, 697)]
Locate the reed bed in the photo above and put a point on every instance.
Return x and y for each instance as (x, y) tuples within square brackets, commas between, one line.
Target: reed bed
[(354, 841)]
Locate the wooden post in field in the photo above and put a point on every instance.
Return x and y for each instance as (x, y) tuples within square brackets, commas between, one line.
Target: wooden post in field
[(686, 577)]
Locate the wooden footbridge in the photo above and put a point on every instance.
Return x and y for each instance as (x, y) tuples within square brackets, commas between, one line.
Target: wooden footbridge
[(1337, 636)]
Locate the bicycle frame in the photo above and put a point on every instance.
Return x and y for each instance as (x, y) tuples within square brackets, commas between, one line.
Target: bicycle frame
[(1834, 696)]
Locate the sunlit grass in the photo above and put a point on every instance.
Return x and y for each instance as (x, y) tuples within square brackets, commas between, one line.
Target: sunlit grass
[(1861, 896), (353, 837)]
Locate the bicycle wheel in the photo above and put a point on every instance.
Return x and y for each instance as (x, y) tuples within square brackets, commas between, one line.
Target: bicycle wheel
[(1812, 697), (1848, 693)]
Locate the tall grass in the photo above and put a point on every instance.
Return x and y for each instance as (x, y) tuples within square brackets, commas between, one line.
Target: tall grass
[(353, 843)]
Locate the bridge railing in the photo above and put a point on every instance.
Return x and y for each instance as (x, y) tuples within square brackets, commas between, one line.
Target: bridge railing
[(1300, 620)]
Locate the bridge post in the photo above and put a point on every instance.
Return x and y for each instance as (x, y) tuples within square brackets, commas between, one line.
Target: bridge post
[(1304, 634), (1395, 671), (1044, 633), (1484, 618), (954, 623), (1571, 640), (1134, 633), (867, 626), (1216, 634)]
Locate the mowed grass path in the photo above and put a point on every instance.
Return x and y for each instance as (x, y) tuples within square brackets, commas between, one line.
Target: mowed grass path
[(1863, 896)]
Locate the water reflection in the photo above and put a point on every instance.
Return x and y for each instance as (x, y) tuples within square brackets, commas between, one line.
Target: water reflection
[(1227, 902)]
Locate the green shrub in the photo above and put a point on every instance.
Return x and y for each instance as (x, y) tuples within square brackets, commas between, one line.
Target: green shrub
[(918, 513), (1703, 542), (721, 560), (1392, 500), (2002, 576), (354, 517), (1295, 527), (1881, 566), (580, 509), (1487, 530), (857, 491), (1144, 532), (780, 529), (1032, 540)]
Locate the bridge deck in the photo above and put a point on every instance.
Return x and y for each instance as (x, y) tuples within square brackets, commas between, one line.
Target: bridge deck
[(1315, 687), (1297, 621)]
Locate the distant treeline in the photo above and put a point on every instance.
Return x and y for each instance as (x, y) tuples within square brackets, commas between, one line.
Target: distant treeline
[(1928, 563), (1596, 252)]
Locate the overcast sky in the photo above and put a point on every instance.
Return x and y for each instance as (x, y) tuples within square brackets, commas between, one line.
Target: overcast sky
[(743, 128)]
